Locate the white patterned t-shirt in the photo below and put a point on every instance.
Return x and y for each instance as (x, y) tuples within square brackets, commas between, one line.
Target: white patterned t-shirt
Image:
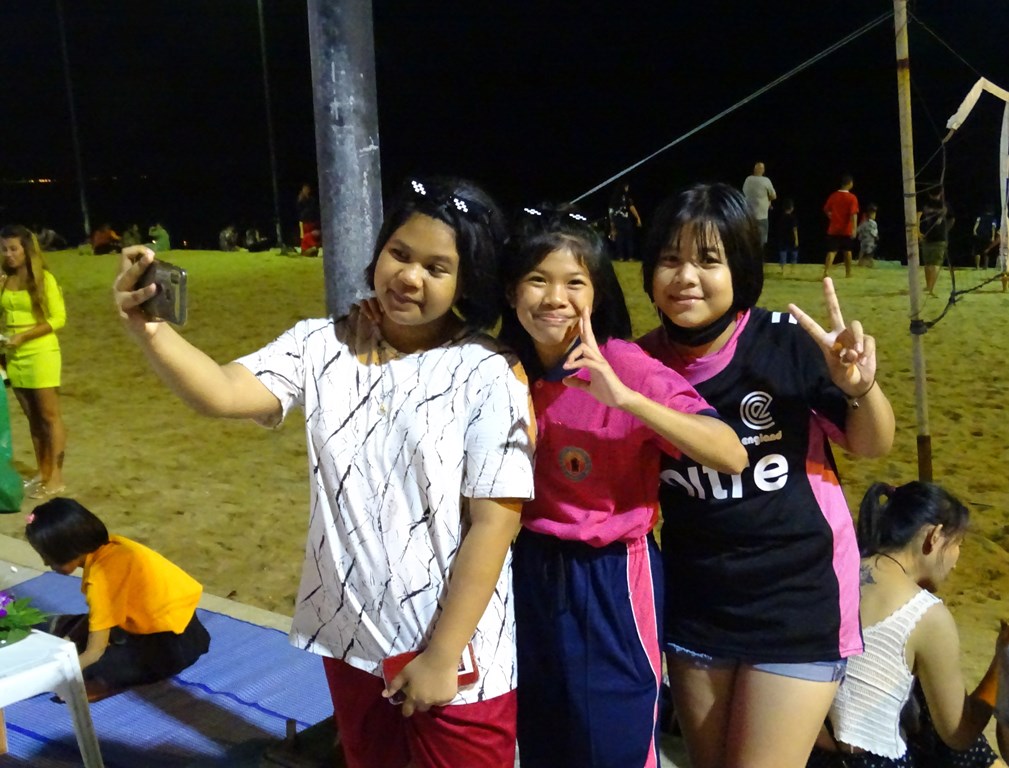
[(397, 443)]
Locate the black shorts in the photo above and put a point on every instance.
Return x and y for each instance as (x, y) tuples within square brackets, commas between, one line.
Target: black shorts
[(131, 659), (840, 243), (932, 254), (821, 758)]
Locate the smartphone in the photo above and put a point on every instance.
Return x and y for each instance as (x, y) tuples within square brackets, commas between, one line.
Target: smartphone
[(169, 303)]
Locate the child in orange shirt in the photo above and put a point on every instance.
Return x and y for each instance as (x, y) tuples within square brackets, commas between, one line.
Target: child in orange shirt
[(141, 624)]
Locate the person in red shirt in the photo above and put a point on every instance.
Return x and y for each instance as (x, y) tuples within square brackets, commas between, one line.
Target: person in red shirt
[(842, 212)]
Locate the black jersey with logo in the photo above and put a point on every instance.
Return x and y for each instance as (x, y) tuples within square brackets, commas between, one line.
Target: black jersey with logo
[(762, 566)]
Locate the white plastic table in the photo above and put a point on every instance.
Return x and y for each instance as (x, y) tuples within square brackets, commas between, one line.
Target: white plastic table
[(43, 663)]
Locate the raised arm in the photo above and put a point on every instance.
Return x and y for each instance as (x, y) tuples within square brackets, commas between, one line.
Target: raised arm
[(229, 390), (959, 717), (851, 360), (702, 438)]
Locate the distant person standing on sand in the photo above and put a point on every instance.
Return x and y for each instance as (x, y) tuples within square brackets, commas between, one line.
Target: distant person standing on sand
[(309, 218), (624, 221), (842, 214), (33, 311), (759, 192), (788, 235), (985, 233), (868, 237), (935, 220)]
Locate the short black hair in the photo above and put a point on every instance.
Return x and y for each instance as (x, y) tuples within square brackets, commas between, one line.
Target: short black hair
[(726, 210), (537, 233), (62, 530), (480, 233)]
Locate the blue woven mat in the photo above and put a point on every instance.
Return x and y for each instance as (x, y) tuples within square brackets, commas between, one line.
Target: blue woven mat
[(237, 696)]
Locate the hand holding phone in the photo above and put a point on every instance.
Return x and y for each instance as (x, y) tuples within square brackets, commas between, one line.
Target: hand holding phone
[(169, 303)]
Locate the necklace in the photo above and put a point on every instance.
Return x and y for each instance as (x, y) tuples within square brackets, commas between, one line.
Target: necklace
[(894, 559)]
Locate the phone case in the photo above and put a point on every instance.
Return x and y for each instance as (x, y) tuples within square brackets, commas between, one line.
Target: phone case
[(169, 303), (468, 672)]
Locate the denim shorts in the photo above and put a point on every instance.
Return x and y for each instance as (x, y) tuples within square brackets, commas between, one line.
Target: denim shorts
[(814, 671)]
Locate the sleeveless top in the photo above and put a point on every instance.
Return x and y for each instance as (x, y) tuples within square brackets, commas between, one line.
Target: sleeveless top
[(876, 685)]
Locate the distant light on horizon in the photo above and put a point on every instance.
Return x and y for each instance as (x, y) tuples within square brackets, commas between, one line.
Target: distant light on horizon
[(41, 180)]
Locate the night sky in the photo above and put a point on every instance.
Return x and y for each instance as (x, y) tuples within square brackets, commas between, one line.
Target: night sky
[(537, 100)]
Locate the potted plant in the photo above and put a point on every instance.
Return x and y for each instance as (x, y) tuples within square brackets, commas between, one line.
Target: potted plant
[(17, 617)]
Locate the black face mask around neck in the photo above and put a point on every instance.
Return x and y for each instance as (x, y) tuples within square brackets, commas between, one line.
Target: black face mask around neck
[(696, 337)]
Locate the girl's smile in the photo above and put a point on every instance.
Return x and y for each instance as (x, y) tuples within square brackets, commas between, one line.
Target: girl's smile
[(417, 282), (692, 284), (548, 302)]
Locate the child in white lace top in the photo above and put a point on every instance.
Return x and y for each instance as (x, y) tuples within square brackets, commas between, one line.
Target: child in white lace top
[(909, 538)]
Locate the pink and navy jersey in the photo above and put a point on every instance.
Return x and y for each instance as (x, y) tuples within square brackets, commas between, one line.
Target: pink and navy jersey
[(596, 466), (762, 566)]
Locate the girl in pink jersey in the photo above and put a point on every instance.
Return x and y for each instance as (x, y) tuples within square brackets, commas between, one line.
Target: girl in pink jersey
[(587, 572)]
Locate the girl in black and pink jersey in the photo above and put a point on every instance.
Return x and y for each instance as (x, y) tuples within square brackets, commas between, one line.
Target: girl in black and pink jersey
[(761, 567)]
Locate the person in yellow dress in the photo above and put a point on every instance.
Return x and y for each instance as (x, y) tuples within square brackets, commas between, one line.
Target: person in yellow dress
[(33, 310)]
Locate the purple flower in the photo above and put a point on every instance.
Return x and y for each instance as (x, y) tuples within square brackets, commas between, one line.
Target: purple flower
[(6, 598), (3, 612)]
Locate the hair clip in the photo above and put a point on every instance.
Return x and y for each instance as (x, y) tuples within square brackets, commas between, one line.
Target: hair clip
[(555, 214), (30, 518), (449, 199)]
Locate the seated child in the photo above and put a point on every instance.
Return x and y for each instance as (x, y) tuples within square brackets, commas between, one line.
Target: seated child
[(909, 544), (141, 624)]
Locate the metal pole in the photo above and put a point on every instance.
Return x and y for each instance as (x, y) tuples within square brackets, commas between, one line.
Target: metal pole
[(269, 128), (73, 120), (346, 136), (911, 236)]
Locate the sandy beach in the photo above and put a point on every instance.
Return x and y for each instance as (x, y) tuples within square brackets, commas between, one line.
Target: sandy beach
[(228, 500)]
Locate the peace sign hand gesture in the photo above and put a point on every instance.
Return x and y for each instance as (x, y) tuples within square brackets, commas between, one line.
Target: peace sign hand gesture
[(849, 352), (603, 383)]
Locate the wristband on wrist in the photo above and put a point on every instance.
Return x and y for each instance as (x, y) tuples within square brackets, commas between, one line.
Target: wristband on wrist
[(853, 400)]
